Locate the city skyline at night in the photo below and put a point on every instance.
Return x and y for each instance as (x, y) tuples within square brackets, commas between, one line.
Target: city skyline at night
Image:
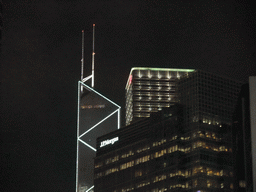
[(41, 57), (186, 147)]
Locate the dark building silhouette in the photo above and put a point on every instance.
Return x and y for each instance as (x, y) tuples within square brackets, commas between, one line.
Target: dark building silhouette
[(186, 147), (142, 154), (243, 139), (1, 24)]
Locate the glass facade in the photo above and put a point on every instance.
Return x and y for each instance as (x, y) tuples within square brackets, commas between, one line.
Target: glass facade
[(163, 159), (97, 115), (209, 101), (141, 160), (244, 139), (208, 98)]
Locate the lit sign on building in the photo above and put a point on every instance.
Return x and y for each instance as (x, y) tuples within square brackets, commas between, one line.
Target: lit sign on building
[(92, 106), (109, 141)]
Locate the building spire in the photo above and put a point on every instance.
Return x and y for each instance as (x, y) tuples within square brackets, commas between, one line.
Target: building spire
[(93, 53), (82, 60)]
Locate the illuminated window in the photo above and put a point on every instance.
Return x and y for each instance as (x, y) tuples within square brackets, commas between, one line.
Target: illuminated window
[(112, 170), (159, 178), (98, 175), (209, 183), (222, 148), (142, 159), (160, 153), (123, 166), (242, 183), (187, 173), (127, 165), (138, 173), (129, 153), (97, 165), (195, 183)]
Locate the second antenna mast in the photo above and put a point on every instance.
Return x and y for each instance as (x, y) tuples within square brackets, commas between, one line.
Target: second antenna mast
[(82, 60)]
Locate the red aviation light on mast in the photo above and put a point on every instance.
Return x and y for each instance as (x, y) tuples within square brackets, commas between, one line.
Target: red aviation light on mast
[(130, 79)]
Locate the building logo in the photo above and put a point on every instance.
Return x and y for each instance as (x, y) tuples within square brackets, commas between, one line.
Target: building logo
[(109, 141)]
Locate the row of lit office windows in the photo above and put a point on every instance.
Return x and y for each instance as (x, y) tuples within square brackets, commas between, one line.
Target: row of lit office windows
[(144, 112), (191, 147), (154, 155), (174, 186), (153, 88), (208, 120), (188, 185), (153, 98), (154, 83), (158, 75), (158, 83), (207, 171), (195, 183), (153, 93), (206, 134), (150, 106), (204, 145)]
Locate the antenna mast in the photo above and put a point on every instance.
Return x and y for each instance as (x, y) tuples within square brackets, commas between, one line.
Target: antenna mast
[(82, 60), (93, 53)]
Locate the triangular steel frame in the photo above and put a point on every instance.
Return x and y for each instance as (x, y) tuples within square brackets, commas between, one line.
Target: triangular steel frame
[(79, 136)]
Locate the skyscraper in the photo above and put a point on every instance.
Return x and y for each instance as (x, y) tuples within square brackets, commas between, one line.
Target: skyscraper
[(188, 148), (1, 23), (143, 156), (97, 115), (244, 135), (209, 101), (150, 89)]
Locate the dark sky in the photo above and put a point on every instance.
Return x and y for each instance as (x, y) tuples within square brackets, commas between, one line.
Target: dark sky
[(41, 57)]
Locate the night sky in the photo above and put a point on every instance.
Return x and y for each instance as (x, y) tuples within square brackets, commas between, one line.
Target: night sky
[(41, 61)]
